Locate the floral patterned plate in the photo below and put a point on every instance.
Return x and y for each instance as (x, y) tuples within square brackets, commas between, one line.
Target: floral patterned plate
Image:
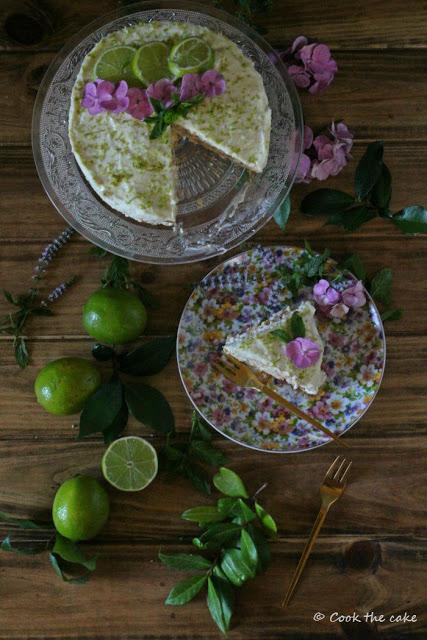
[(246, 290)]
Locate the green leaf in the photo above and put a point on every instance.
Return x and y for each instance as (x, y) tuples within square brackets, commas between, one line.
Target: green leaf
[(266, 519), (21, 352), (185, 561), (102, 353), (200, 428), (148, 359), (149, 406), (206, 452), (262, 546), (10, 297), (315, 265), (282, 334), (297, 326), (61, 571), (249, 550), (326, 201), (281, 216), (411, 219), (353, 218), (236, 568), (118, 425), (368, 170), (203, 515), (229, 483), (354, 264), (145, 296), (101, 408), (8, 545), (225, 505), (242, 514), (186, 590), (381, 192), (220, 601), (22, 524), (41, 311), (391, 314), (217, 535), (98, 252), (117, 273), (70, 552), (198, 477), (381, 286)]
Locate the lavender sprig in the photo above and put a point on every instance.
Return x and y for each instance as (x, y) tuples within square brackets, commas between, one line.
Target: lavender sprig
[(50, 251)]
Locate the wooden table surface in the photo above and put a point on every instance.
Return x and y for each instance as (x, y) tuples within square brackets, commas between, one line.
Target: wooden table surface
[(372, 553)]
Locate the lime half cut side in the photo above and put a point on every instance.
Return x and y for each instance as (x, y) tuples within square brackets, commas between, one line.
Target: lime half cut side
[(191, 55), (115, 65), (150, 62), (130, 463)]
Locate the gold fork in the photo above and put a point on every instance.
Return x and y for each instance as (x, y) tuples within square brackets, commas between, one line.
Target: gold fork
[(242, 375), (333, 487)]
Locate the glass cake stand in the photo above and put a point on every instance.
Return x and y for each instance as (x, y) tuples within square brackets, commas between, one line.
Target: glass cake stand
[(220, 204)]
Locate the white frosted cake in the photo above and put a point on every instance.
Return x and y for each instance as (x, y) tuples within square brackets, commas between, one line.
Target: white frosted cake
[(262, 349)]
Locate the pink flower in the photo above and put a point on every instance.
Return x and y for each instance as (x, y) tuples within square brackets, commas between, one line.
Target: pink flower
[(299, 76), (343, 135), (212, 83), (116, 101), (162, 90), (303, 352), (191, 86), (325, 295), (354, 296), (139, 104), (304, 166), (331, 158), (95, 93), (339, 311)]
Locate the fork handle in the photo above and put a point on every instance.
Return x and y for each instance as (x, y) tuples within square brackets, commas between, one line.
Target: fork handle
[(301, 414), (305, 555)]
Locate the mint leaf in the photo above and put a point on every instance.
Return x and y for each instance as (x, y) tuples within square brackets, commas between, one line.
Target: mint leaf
[(380, 287), (412, 219), (186, 590), (150, 358), (185, 561), (282, 214), (326, 201), (368, 170), (314, 267), (282, 334), (381, 192), (391, 314), (149, 406), (200, 428), (220, 601), (354, 264), (203, 515), (297, 326), (21, 352), (197, 476), (229, 483), (207, 453), (101, 408)]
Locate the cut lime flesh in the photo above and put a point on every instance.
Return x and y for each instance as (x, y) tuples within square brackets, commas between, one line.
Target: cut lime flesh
[(191, 55), (115, 65), (130, 463), (150, 62)]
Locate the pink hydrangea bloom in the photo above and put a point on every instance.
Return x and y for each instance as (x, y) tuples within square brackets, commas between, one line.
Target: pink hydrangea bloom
[(339, 311), (325, 295), (95, 93), (163, 90), (191, 86), (328, 153), (212, 83), (117, 101), (304, 166), (139, 105), (354, 296), (303, 352), (299, 76)]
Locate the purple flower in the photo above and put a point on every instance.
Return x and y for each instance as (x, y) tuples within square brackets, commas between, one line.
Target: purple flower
[(299, 76), (191, 86), (117, 101), (304, 166), (343, 135), (303, 352), (331, 158), (354, 296), (139, 105), (162, 90), (339, 311), (212, 83), (94, 93), (325, 295)]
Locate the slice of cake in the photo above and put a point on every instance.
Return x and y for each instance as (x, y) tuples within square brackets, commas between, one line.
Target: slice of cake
[(287, 346)]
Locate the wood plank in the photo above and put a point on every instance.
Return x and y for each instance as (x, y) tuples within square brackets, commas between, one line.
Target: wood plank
[(380, 102), (125, 597), (32, 24)]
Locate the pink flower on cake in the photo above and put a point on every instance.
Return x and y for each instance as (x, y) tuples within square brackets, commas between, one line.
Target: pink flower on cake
[(162, 90), (139, 105), (191, 86), (212, 83), (303, 352), (117, 101), (95, 93)]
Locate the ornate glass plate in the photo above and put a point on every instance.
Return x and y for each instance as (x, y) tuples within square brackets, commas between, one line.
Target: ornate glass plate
[(220, 204), (246, 290)]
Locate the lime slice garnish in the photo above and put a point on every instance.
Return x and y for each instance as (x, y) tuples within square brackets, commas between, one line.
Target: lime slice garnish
[(130, 463), (150, 62), (191, 55), (115, 65)]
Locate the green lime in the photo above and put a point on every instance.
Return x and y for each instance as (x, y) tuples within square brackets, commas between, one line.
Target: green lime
[(150, 62), (191, 55), (130, 463), (114, 316), (63, 386), (115, 65), (80, 508)]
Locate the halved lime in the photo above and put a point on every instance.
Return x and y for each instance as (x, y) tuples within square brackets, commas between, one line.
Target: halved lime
[(150, 62), (130, 464), (191, 55), (115, 65)]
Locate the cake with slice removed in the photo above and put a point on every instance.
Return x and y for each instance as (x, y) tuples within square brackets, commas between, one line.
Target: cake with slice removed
[(269, 348)]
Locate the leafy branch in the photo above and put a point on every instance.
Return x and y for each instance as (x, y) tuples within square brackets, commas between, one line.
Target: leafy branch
[(234, 536), (165, 116), (373, 189)]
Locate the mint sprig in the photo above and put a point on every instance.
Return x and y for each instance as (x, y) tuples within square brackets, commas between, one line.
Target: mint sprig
[(165, 116), (235, 538), (373, 189)]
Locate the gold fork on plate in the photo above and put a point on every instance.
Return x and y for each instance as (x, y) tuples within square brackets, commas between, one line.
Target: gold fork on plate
[(331, 490), (242, 375)]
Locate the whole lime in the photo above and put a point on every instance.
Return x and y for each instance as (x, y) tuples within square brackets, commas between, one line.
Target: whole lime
[(63, 386), (80, 508), (114, 316)]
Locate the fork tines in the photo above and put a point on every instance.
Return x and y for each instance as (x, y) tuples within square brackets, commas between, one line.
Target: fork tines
[(338, 469)]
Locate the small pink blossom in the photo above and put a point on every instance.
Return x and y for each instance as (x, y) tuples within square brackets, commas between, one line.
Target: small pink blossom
[(117, 101), (139, 104), (191, 86), (354, 296), (339, 311), (299, 76), (163, 90), (325, 295), (304, 165), (95, 93), (303, 352), (212, 83)]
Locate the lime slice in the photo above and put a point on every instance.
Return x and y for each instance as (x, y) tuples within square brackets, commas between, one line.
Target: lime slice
[(150, 62), (115, 65), (190, 56), (130, 464)]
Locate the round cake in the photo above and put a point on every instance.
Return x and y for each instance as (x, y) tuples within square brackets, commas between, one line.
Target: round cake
[(133, 170)]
